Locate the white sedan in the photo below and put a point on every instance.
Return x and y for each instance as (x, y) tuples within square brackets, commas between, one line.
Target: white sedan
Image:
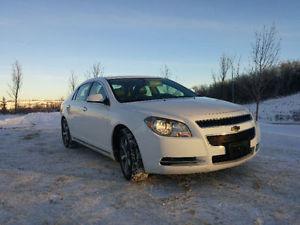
[(155, 125)]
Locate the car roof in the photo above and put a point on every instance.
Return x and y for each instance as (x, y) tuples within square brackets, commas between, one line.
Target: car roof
[(118, 77), (129, 77)]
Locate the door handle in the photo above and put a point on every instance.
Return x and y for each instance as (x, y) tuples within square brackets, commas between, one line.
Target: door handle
[(84, 109)]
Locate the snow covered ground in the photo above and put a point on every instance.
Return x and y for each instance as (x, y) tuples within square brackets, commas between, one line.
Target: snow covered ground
[(41, 182), (280, 110), (36, 120)]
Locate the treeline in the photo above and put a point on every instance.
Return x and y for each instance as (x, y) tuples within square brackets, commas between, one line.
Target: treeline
[(30, 106), (280, 80)]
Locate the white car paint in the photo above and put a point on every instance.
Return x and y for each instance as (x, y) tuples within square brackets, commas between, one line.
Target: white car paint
[(94, 123)]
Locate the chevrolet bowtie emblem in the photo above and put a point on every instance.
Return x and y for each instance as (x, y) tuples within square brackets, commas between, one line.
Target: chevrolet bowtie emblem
[(235, 128)]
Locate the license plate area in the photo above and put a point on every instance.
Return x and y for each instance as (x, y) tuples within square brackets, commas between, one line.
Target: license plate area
[(237, 149), (238, 146), (234, 150)]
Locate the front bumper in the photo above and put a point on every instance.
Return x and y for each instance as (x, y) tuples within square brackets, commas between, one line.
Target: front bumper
[(199, 168), (192, 155)]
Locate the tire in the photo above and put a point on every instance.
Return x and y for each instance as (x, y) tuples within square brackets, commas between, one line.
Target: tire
[(130, 157), (66, 135)]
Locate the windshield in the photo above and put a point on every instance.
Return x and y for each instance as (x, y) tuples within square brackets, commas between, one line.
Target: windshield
[(143, 89)]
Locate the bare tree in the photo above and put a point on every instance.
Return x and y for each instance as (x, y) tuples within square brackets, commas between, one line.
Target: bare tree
[(214, 77), (235, 72), (4, 105), (97, 70), (265, 51), (224, 63), (165, 72), (73, 81), (15, 86)]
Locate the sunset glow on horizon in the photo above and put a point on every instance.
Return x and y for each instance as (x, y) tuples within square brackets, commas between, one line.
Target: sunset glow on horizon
[(52, 38)]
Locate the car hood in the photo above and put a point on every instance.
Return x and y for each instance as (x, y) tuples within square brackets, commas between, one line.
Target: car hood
[(188, 107)]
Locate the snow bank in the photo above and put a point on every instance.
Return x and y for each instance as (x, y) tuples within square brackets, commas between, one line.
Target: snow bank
[(284, 109), (39, 120)]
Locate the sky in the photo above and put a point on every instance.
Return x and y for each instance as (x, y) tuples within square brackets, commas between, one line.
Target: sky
[(52, 38)]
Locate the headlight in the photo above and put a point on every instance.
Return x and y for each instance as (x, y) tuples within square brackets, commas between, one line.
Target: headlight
[(167, 127)]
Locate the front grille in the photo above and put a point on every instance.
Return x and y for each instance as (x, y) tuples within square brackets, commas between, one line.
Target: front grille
[(224, 121), (169, 161), (217, 140)]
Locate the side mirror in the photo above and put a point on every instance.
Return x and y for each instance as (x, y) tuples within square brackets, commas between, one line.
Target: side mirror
[(97, 98)]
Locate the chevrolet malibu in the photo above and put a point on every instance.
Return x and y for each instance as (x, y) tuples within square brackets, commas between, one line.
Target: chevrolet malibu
[(155, 125)]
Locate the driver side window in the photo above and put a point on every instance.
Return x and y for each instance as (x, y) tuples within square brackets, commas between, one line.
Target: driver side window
[(98, 88)]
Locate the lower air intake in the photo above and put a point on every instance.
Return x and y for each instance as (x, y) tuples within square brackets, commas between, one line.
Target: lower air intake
[(172, 161)]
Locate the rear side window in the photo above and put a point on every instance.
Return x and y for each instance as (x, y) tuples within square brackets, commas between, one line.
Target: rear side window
[(83, 92)]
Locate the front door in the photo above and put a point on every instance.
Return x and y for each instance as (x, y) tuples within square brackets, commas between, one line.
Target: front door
[(97, 120)]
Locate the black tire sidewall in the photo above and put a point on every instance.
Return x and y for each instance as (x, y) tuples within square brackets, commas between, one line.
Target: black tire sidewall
[(66, 144), (124, 134)]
